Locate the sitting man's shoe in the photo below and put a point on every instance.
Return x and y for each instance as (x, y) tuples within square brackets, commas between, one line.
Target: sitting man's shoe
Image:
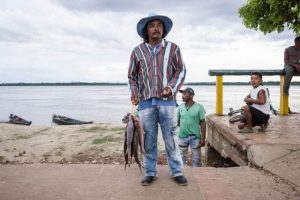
[(246, 130), (263, 127), (181, 180), (291, 112), (147, 180)]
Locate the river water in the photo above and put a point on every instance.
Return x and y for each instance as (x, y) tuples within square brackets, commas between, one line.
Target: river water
[(108, 104)]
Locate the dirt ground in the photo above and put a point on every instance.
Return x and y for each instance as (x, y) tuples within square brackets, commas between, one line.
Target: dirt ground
[(93, 143), (103, 144)]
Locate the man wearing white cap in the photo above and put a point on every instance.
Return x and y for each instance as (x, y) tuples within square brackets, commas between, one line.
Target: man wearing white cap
[(156, 73)]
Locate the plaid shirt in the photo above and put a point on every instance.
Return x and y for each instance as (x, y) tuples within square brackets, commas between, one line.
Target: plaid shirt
[(150, 72)]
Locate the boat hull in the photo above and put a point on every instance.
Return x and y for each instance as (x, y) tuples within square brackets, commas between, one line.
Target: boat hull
[(62, 120), (14, 119)]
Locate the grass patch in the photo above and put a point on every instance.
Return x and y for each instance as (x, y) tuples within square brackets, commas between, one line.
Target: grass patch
[(1, 158), (117, 129), (103, 140), (106, 139), (101, 129), (22, 137), (95, 129), (41, 131)]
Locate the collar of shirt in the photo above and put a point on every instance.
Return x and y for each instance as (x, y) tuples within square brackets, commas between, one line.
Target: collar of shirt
[(157, 47)]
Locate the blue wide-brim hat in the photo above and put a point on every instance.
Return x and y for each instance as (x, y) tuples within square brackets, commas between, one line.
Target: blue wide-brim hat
[(141, 25)]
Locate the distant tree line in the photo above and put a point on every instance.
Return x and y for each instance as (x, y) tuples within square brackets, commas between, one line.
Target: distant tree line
[(120, 84)]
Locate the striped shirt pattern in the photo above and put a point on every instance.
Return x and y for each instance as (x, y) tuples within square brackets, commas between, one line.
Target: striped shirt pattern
[(149, 73)]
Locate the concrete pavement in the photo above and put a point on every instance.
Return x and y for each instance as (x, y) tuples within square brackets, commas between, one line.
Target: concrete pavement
[(84, 181), (89, 181)]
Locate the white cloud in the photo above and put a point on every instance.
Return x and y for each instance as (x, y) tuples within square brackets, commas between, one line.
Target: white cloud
[(61, 41)]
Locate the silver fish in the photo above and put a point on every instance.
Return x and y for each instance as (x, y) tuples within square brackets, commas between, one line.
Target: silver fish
[(135, 151), (134, 138), (140, 130), (130, 131)]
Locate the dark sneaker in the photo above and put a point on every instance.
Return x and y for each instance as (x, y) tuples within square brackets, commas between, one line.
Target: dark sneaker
[(147, 180), (291, 112), (263, 127), (181, 180)]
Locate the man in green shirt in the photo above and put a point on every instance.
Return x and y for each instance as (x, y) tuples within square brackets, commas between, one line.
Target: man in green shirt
[(192, 127)]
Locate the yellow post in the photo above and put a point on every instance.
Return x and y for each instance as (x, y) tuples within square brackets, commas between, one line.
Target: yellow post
[(284, 100), (219, 95)]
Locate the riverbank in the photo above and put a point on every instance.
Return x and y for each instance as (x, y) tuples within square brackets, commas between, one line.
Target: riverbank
[(93, 143)]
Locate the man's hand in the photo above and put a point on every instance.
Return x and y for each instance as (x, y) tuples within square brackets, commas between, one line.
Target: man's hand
[(202, 143), (134, 100), (167, 92), (248, 100)]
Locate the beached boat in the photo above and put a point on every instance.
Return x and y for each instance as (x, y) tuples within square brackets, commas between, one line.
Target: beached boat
[(14, 119), (62, 120)]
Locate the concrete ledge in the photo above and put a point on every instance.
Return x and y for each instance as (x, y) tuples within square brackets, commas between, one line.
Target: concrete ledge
[(276, 151)]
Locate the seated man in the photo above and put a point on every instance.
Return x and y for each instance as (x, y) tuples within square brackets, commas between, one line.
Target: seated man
[(292, 64), (257, 110)]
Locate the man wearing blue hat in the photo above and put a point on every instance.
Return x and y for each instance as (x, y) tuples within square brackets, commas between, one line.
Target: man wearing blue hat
[(156, 73)]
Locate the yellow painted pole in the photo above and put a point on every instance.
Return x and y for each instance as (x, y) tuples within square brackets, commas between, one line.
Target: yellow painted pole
[(284, 100), (219, 95)]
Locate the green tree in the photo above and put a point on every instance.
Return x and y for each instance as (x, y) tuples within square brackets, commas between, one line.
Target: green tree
[(271, 15)]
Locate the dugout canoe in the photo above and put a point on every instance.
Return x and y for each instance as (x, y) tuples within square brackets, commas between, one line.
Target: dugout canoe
[(63, 120)]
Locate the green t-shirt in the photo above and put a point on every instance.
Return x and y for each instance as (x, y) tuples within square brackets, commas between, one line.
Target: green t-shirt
[(190, 119)]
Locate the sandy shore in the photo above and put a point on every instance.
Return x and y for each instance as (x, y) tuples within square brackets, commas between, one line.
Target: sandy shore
[(93, 143)]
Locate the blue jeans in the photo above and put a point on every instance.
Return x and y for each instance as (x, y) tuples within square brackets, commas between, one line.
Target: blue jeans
[(166, 117), (193, 142)]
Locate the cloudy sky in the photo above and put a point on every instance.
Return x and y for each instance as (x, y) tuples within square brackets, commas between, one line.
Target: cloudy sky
[(91, 40)]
